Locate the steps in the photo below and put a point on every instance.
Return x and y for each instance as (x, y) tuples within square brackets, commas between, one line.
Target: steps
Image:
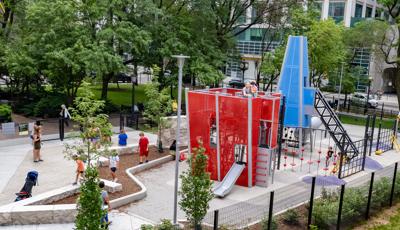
[(262, 167), (334, 126)]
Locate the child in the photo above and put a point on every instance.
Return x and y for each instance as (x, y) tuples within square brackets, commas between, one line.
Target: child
[(114, 164), (122, 138), (143, 148), (80, 168), (329, 154), (105, 206)]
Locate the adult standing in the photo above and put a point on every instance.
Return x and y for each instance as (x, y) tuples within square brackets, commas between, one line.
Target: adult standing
[(65, 114), (37, 144), (143, 148)]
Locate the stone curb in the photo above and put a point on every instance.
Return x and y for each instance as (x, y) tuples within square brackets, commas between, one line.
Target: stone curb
[(21, 212)]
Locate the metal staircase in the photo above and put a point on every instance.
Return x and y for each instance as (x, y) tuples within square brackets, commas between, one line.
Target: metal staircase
[(335, 127)]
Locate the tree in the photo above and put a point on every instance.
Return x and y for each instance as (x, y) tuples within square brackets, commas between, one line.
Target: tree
[(196, 187), (271, 66), (158, 105), (325, 48), (92, 125)]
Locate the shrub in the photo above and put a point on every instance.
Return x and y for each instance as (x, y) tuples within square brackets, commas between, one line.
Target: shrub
[(48, 106), (264, 224), (110, 107), (196, 187), (5, 113), (381, 193), (291, 217), (164, 225)]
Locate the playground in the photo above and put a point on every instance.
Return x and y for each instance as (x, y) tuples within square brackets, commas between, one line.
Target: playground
[(280, 143)]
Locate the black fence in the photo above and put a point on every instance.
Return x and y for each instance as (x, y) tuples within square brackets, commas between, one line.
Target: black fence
[(136, 118), (327, 207), (360, 109), (350, 166)]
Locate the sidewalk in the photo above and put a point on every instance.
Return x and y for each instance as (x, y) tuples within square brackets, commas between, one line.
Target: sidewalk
[(17, 161), (120, 221)]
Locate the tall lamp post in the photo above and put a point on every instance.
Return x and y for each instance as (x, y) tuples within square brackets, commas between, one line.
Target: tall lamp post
[(167, 74), (368, 92), (181, 61), (340, 87), (243, 66), (133, 109)]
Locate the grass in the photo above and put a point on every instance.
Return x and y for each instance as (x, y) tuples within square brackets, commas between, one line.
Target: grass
[(352, 120), (123, 94)]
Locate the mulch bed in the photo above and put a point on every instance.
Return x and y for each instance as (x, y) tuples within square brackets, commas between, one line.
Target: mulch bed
[(128, 185)]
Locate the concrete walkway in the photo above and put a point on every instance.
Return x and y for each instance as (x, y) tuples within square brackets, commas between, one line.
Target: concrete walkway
[(120, 221), (17, 160), (242, 201)]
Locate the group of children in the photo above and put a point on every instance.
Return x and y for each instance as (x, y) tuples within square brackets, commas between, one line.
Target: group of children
[(143, 150)]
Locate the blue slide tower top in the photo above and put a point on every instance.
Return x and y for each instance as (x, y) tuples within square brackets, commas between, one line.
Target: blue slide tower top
[(294, 84)]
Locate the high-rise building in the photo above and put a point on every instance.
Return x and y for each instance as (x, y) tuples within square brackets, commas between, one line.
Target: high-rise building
[(348, 12)]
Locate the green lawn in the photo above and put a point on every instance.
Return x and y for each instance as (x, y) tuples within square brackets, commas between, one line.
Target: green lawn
[(123, 94), (346, 119)]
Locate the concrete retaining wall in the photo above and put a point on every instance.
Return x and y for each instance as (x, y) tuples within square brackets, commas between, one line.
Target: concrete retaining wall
[(28, 212)]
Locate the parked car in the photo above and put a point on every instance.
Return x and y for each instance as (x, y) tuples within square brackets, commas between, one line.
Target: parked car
[(234, 83), (361, 99)]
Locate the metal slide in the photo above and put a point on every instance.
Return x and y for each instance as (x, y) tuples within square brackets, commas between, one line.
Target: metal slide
[(229, 180)]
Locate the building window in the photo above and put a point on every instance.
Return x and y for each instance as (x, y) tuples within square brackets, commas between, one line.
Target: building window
[(336, 9), (378, 13), (240, 154), (253, 13), (368, 12), (213, 134), (256, 34), (358, 12), (264, 134)]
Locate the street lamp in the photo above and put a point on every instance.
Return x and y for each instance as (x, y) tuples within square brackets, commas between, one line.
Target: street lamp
[(133, 108), (181, 61), (243, 66), (340, 88), (167, 74), (368, 92)]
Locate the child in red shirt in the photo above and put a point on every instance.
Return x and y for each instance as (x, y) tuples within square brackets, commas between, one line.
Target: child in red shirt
[(143, 148)]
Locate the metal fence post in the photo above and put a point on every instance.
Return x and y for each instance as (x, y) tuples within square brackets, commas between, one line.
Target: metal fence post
[(280, 134), (371, 186), (216, 219), (339, 218), (393, 184), (379, 137), (365, 142), (311, 203), (271, 208), (372, 133)]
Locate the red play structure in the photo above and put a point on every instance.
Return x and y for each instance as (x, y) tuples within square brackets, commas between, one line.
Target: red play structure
[(239, 133)]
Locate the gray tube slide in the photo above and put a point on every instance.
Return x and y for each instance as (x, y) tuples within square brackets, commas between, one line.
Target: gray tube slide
[(229, 180)]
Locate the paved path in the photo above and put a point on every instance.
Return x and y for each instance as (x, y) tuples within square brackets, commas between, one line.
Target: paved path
[(120, 221), (250, 202), (160, 193), (17, 160)]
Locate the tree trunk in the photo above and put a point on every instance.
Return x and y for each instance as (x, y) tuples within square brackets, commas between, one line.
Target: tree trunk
[(104, 89), (397, 85)]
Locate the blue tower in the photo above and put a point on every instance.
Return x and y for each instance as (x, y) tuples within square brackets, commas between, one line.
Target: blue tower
[(294, 84)]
